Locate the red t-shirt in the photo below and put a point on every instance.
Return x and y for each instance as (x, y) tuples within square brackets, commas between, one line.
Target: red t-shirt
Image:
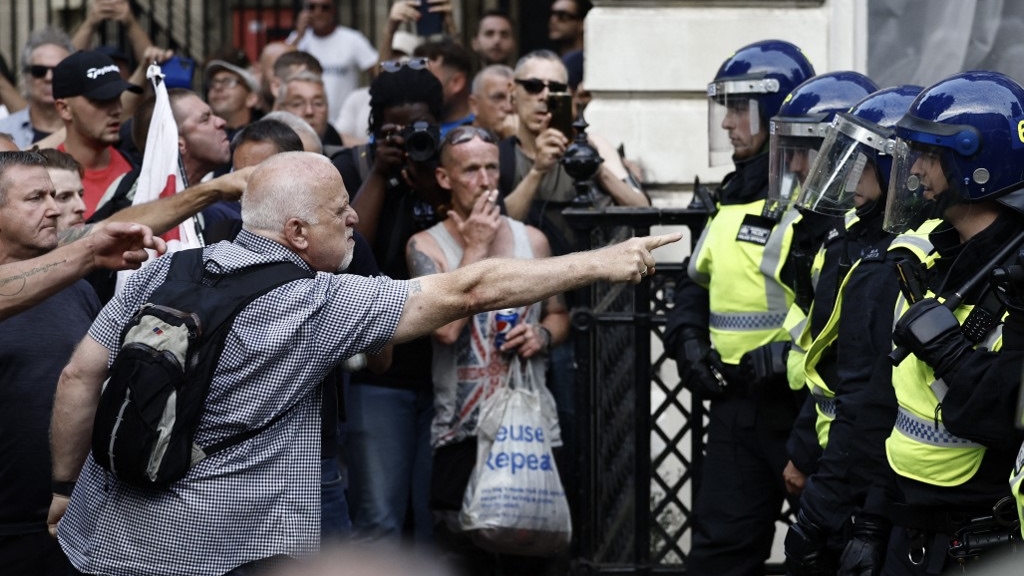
[(96, 182)]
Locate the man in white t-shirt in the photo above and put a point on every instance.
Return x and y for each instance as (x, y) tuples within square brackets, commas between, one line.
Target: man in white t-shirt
[(343, 52)]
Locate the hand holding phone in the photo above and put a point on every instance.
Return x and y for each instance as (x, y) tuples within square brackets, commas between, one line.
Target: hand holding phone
[(430, 23), (560, 108)]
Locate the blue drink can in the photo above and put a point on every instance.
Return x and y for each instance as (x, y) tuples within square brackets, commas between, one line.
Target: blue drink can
[(504, 320)]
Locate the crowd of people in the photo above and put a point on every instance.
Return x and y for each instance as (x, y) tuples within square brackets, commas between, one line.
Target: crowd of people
[(365, 387), (850, 310)]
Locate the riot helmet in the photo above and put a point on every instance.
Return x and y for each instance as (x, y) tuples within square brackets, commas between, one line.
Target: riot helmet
[(852, 166), (961, 142), (798, 130), (747, 91)]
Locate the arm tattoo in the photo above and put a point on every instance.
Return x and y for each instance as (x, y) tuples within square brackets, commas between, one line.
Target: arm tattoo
[(419, 263), (415, 287), (71, 234), (24, 277)]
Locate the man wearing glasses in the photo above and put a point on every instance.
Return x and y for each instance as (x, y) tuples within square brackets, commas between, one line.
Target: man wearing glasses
[(342, 51), (44, 49), (535, 185), (233, 94), (565, 25)]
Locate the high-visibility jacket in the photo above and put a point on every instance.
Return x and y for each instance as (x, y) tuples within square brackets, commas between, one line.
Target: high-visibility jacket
[(920, 446), (916, 244), (739, 259)]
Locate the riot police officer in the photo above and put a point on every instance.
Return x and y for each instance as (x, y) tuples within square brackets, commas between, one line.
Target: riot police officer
[(797, 133), (849, 177), (958, 155), (734, 297)]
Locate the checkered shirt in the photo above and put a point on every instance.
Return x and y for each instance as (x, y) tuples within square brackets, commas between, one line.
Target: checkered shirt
[(261, 497)]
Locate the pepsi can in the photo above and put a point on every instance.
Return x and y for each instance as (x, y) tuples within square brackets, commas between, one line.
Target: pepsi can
[(504, 320)]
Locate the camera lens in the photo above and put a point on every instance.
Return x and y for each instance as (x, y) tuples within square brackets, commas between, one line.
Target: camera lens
[(421, 141)]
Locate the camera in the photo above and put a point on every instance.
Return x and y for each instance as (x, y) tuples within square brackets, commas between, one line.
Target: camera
[(422, 141)]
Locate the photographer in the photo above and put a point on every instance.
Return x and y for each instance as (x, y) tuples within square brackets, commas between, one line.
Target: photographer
[(394, 191)]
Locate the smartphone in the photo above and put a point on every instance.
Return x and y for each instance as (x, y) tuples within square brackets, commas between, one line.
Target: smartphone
[(430, 23), (560, 107)]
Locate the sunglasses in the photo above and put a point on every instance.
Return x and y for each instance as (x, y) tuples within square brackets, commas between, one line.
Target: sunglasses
[(463, 134), (535, 86), (321, 7), (564, 16), (411, 63), (38, 70)]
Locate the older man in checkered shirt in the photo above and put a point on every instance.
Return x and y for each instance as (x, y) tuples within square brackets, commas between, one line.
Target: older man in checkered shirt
[(259, 500)]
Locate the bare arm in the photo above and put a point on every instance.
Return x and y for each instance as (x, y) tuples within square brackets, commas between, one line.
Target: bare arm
[(130, 100), (95, 14), (623, 194), (496, 283), (10, 96), (116, 246), (477, 232), (136, 35), (74, 407), (401, 11), (163, 214)]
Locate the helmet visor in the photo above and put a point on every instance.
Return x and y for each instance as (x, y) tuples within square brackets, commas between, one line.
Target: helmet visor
[(794, 147), (734, 119), (923, 185), (843, 175)]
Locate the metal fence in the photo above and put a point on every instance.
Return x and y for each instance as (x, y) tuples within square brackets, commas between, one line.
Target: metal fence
[(640, 436)]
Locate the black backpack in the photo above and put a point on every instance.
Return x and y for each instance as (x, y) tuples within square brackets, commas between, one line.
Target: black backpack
[(153, 398)]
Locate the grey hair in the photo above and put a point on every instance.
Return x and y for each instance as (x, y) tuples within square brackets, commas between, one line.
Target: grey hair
[(42, 37), (539, 55), (301, 127), (500, 70), (300, 76), (275, 196), (10, 159)]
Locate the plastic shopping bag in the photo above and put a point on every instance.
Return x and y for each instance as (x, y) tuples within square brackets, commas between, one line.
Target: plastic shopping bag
[(515, 503)]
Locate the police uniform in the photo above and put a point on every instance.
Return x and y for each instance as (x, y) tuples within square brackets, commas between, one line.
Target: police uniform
[(954, 438), (735, 291)]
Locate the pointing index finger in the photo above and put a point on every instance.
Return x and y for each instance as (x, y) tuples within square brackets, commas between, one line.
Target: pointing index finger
[(652, 242)]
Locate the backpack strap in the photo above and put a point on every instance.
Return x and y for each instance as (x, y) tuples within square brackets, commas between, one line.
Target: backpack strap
[(220, 298)]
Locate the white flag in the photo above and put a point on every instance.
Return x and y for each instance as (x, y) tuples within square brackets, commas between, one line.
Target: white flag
[(161, 173)]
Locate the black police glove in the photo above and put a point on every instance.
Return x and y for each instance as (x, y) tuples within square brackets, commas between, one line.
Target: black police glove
[(766, 365), (932, 333), (865, 552), (807, 552), (700, 367)]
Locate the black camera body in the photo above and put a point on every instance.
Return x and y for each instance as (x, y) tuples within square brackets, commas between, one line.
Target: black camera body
[(422, 141)]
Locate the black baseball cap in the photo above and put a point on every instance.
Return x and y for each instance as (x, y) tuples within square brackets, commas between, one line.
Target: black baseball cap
[(91, 74)]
